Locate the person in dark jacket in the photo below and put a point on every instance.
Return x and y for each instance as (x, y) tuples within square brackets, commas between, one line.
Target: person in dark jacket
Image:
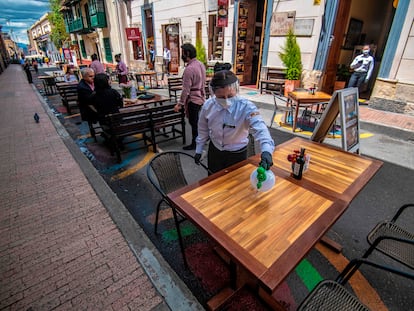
[(86, 93), (26, 68), (106, 100)]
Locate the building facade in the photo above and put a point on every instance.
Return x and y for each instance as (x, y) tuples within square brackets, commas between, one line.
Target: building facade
[(249, 34), (96, 27), (40, 42)]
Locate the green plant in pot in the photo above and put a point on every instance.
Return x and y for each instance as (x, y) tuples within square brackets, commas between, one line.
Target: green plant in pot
[(342, 76), (292, 60)]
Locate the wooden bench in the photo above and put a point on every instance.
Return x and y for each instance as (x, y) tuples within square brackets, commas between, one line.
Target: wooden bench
[(156, 125), (69, 95), (274, 81), (175, 86)]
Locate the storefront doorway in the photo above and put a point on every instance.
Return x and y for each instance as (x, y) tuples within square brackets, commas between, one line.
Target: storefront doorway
[(356, 24), (172, 42), (248, 40)]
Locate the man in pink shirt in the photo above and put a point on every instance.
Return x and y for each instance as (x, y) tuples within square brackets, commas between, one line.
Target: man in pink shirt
[(193, 93), (121, 69), (96, 65)]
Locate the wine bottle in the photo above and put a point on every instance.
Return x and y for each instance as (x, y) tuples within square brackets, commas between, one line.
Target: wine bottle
[(298, 165)]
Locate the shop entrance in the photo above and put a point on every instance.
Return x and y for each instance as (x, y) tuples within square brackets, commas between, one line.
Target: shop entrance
[(171, 34), (356, 24), (249, 36)]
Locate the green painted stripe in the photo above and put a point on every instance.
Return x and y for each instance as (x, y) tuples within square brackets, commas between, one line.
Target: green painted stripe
[(308, 274), (171, 235)]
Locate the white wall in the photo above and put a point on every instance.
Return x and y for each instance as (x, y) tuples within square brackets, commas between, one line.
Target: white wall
[(308, 45)]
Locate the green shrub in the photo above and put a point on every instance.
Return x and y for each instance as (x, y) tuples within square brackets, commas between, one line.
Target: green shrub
[(291, 57), (201, 52)]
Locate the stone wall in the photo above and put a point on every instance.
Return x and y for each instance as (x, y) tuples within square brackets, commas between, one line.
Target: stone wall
[(394, 96)]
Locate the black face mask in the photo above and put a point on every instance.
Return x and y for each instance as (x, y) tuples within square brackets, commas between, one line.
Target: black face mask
[(184, 58)]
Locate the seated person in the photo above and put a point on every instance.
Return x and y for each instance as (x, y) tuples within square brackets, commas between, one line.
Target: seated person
[(70, 76), (86, 95), (106, 100)]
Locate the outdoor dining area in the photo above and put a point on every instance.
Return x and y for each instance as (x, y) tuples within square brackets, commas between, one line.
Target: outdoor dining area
[(261, 236)]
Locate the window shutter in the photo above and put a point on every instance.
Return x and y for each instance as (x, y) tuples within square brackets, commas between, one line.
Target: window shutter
[(108, 50)]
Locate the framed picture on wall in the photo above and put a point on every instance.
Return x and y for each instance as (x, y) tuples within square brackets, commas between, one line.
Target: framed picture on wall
[(353, 35)]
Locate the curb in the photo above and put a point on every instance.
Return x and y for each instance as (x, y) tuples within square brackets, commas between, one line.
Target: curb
[(175, 294)]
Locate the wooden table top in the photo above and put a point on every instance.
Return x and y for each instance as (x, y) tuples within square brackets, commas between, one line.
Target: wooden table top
[(268, 233), (307, 97), (143, 102)]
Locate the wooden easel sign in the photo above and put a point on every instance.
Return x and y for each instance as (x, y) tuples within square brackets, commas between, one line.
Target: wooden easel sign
[(345, 103), (348, 110)]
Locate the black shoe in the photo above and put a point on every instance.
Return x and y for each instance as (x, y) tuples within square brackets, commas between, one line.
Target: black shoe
[(189, 147)]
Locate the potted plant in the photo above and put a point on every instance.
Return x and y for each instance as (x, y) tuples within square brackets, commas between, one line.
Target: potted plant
[(291, 58), (342, 77)]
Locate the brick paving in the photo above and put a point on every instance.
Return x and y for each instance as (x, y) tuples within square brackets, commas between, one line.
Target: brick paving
[(59, 248)]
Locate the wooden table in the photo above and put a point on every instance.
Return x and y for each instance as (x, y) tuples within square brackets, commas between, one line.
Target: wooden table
[(148, 76), (136, 102), (304, 99), (267, 234)]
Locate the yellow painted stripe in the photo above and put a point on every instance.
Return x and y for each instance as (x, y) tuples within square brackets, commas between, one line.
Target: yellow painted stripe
[(278, 119), (72, 116), (364, 291), (134, 168)]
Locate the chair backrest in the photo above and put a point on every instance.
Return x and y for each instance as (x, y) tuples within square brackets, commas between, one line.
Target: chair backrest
[(171, 170), (310, 78)]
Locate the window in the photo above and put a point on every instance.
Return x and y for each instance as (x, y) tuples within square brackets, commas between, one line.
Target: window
[(82, 47), (108, 50)]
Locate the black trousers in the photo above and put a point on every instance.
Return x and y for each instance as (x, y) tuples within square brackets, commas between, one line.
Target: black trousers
[(193, 113), (218, 160), (29, 76)]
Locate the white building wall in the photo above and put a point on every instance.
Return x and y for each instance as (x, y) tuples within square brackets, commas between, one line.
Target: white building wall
[(404, 59)]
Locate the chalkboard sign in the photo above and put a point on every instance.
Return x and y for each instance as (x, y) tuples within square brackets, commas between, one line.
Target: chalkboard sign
[(344, 102)]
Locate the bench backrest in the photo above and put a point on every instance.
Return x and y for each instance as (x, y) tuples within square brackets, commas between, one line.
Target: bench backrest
[(173, 81), (126, 123), (275, 73), (68, 91)]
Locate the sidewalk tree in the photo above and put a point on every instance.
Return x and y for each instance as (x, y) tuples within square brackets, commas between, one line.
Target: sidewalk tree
[(58, 33)]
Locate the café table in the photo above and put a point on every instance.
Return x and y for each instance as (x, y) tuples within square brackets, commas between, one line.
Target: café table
[(139, 102), (267, 234), (305, 99), (147, 77)]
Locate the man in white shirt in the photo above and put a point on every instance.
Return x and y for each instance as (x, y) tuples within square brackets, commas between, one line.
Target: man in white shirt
[(167, 60), (362, 65)]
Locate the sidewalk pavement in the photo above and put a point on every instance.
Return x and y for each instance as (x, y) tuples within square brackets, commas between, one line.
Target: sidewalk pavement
[(67, 242)]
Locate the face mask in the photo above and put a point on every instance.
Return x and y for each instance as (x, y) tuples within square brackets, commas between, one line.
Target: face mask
[(225, 102), (365, 52)]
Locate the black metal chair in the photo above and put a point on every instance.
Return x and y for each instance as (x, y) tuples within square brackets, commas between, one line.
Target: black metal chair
[(169, 171), (393, 239), (331, 295)]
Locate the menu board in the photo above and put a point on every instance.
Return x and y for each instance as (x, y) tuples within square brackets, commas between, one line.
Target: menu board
[(241, 41), (348, 109), (345, 103)]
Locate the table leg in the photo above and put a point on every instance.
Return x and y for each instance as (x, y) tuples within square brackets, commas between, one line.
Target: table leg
[(295, 117)]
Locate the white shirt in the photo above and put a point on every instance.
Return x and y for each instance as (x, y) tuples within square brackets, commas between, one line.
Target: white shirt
[(228, 128), (167, 54), (366, 65)]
